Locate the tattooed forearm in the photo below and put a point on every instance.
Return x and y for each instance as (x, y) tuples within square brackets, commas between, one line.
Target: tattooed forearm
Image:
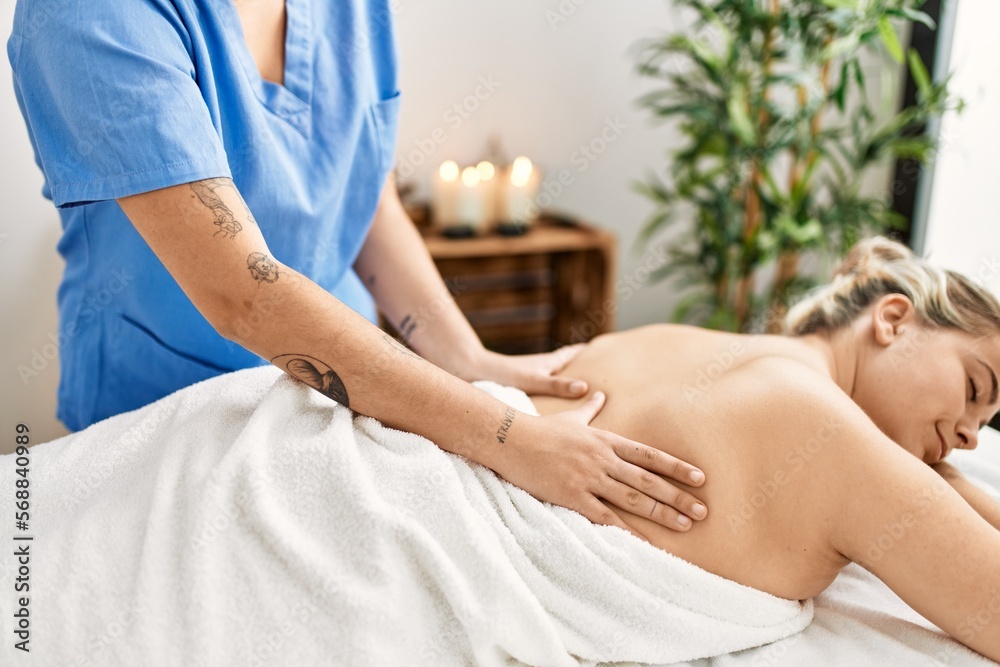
[(508, 419), (263, 269), (406, 327), (225, 220), (314, 373)]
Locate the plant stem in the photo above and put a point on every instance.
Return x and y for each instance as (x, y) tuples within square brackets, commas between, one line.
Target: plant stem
[(788, 262), (752, 216)]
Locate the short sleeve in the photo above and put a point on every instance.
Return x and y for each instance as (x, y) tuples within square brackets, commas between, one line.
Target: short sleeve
[(109, 93)]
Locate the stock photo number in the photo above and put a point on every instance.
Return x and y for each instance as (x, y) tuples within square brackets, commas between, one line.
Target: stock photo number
[(22, 541)]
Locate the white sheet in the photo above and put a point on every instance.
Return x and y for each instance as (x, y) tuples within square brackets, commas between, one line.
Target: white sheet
[(248, 520)]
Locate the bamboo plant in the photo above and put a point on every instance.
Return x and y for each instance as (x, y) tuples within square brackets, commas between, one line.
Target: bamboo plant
[(778, 137)]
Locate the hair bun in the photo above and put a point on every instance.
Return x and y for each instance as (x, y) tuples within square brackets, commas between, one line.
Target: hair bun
[(868, 254)]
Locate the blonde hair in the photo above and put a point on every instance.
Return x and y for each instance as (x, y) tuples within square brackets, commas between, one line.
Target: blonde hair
[(878, 266)]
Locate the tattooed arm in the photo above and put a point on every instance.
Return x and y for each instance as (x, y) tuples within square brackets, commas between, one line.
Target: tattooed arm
[(251, 298), (399, 272), (208, 191)]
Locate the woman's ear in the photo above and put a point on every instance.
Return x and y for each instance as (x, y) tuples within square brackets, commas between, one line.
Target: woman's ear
[(891, 314)]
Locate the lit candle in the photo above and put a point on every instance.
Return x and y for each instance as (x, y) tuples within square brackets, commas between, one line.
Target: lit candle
[(444, 204), (488, 184), (520, 191), (471, 207)]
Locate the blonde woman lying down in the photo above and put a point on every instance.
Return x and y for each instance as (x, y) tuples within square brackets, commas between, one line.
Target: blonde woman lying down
[(825, 446)]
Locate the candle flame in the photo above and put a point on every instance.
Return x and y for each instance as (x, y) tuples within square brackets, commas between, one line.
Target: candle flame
[(520, 172), (470, 177), (486, 170), (448, 171)]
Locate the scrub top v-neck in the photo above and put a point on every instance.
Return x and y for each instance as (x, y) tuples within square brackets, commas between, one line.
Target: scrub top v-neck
[(289, 99), (125, 97)]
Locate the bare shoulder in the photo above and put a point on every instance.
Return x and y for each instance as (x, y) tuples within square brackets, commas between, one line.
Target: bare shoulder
[(784, 391), (804, 417)]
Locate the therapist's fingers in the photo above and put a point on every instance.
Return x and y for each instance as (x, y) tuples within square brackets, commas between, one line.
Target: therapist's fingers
[(585, 413), (533, 373), (650, 495), (555, 385), (655, 460), (627, 498), (568, 387)]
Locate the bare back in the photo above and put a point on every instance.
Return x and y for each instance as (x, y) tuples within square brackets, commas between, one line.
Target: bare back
[(799, 480), (688, 392)]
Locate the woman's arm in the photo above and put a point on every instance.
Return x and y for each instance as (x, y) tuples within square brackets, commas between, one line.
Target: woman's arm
[(894, 516), (253, 299), (980, 501)]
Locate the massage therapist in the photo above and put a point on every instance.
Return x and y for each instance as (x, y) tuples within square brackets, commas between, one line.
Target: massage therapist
[(225, 164)]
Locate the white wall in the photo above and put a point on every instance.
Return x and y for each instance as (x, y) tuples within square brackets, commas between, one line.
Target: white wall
[(963, 217), (29, 231)]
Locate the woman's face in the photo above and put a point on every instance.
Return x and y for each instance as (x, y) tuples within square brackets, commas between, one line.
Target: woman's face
[(930, 390)]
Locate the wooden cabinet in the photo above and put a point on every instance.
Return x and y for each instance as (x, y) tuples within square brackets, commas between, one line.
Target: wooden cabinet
[(533, 293)]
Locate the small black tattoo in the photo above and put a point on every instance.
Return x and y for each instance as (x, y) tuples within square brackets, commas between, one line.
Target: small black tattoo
[(406, 327), (314, 373), (371, 280), (224, 218), (262, 267), (508, 419)]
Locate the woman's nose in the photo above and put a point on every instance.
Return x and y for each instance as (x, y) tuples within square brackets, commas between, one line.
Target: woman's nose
[(968, 436)]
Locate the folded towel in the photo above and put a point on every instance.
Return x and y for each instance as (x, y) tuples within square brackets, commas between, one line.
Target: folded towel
[(250, 520)]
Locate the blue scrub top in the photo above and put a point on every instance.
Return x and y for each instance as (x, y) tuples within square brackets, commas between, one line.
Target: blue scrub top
[(126, 96)]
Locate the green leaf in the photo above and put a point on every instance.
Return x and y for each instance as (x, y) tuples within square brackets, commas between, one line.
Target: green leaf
[(859, 76), (738, 118), (913, 15), (919, 72), (841, 4), (840, 46), (890, 40), (661, 219), (767, 242), (808, 233), (841, 89)]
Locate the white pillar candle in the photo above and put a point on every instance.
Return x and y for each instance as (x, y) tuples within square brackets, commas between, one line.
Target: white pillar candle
[(488, 185), (471, 203), (521, 189), (444, 202)]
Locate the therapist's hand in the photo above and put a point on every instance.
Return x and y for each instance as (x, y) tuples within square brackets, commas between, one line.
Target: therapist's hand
[(534, 374), (558, 458)]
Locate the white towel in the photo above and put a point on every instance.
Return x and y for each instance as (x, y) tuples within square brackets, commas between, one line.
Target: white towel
[(249, 520)]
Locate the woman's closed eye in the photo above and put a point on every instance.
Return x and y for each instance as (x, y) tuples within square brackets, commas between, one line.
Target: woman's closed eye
[(975, 399)]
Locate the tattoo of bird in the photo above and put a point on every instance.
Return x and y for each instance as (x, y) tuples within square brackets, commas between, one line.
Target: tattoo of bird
[(325, 382)]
